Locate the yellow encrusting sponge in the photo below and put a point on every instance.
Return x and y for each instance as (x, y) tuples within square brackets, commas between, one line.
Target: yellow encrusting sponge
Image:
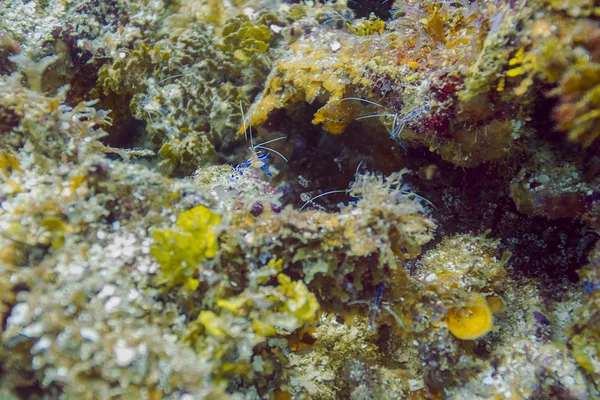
[(472, 321)]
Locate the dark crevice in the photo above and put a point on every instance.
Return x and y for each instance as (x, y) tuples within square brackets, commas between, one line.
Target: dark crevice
[(364, 8)]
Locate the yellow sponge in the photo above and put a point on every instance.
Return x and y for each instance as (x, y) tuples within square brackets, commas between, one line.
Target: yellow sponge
[(472, 321)]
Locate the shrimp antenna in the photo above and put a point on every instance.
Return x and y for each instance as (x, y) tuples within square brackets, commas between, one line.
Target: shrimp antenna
[(177, 76), (374, 116), (341, 16), (244, 124), (171, 77), (151, 121), (358, 168), (393, 314), (356, 302), (243, 121), (272, 140), (363, 100), (321, 195), (423, 198)]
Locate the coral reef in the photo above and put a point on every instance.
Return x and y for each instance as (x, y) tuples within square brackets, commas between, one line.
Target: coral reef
[(584, 332), (415, 83), (557, 186), (573, 69), (289, 200)]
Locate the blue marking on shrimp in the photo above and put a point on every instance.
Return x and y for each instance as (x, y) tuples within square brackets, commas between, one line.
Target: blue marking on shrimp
[(589, 286), (377, 304), (399, 125), (241, 168), (379, 294), (265, 159)]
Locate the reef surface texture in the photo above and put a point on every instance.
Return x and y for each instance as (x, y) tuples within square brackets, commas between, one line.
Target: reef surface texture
[(269, 199)]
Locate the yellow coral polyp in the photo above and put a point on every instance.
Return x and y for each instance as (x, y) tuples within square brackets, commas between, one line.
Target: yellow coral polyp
[(472, 321)]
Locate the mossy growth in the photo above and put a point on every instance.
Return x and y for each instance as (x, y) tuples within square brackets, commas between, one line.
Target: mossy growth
[(579, 115), (247, 40), (34, 70), (367, 27), (585, 332), (386, 225), (181, 250), (129, 69), (51, 127), (272, 305), (467, 275), (563, 52), (487, 68), (465, 263), (314, 74), (54, 231), (299, 302), (186, 153), (576, 8), (8, 163), (471, 146), (290, 306)]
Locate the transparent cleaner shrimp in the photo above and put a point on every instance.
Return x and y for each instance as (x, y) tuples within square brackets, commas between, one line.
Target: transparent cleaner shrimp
[(398, 122), (417, 112), (258, 159), (376, 306)]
